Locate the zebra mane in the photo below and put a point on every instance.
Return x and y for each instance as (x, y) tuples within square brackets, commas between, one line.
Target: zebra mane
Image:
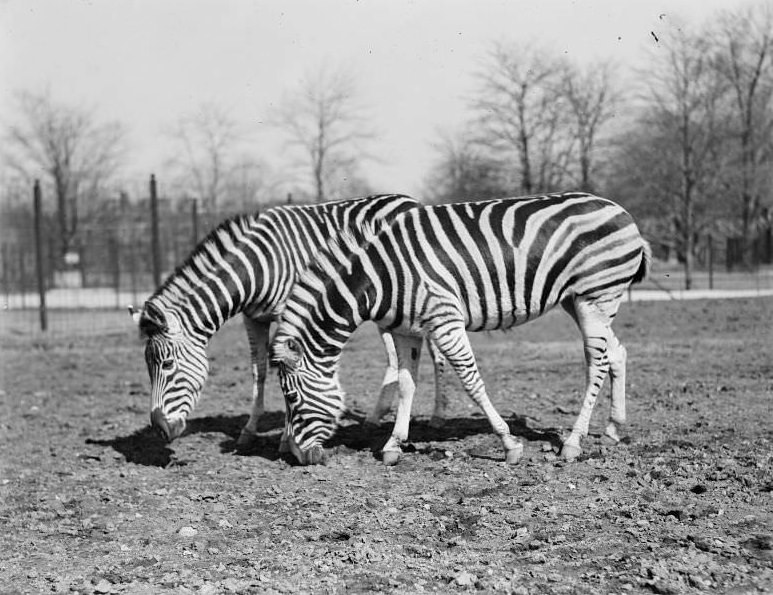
[(242, 220)]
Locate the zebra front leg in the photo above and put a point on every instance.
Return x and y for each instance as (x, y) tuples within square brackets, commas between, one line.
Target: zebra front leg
[(440, 412), (389, 384), (408, 350), (258, 337), (594, 320), (454, 344)]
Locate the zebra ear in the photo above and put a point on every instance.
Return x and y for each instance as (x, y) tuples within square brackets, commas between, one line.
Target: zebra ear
[(288, 354), (152, 320), (134, 313)]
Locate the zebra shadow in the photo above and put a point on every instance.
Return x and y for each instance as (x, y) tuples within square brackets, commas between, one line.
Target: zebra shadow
[(427, 438), (142, 447), (146, 446), (265, 444), (354, 435)]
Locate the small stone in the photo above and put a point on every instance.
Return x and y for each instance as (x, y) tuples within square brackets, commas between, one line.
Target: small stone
[(224, 524), (187, 532), (465, 579), (535, 544)]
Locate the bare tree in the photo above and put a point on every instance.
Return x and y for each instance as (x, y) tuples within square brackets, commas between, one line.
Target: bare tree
[(247, 184), (67, 146), (323, 119), (464, 171), (521, 113), (744, 45), (591, 100), (206, 141), (683, 110)]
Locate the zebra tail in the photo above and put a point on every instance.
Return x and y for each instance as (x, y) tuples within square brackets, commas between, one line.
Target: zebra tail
[(646, 263)]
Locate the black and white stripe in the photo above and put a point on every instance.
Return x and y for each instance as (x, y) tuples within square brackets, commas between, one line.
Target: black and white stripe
[(443, 270), (247, 264)]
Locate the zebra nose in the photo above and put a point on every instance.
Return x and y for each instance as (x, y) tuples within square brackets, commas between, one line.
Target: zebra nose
[(158, 421), (314, 456)]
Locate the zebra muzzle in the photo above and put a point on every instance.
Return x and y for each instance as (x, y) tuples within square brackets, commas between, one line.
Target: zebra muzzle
[(314, 456), (170, 431)]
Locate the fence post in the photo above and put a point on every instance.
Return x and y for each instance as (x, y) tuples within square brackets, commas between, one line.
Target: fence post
[(115, 254), (195, 220), (711, 261), (22, 280), (39, 255), (155, 246), (6, 276)]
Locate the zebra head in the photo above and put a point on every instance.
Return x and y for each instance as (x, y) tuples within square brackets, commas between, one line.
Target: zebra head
[(313, 396), (177, 366)]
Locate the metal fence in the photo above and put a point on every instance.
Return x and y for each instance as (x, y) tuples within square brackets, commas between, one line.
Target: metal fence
[(117, 258), (120, 257)]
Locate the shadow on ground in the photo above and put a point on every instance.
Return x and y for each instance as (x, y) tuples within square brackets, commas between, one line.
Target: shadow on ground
[(147, 447), (143, 447)]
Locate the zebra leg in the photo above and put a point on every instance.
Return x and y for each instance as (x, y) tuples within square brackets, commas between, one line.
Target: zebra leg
[(408, 350), (389, 384), (594, 319), (454, 344), (440, 413), (617, 359), (258, 337)]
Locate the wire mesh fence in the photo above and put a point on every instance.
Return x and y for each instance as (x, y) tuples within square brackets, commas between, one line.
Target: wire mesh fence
[(112, 260)]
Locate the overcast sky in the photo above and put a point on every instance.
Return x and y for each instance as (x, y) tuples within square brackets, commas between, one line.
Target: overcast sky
[(148, 62)]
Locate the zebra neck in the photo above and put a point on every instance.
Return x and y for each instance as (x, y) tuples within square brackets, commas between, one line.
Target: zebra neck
[(203, 305)]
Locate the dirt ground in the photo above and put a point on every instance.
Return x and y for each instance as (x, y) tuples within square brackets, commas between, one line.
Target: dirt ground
[(92, 501)]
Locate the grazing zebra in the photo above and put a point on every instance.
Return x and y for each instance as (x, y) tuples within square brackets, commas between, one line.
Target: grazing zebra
[(247, 264), (439, 271)]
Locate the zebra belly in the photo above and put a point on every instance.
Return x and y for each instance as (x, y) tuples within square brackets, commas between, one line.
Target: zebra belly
[(497, 316)]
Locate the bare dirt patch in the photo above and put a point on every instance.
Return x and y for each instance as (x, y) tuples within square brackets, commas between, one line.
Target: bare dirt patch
[(92, 501)]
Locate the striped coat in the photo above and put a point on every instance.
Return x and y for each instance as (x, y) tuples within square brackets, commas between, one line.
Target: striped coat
[(246, 265), (443, 270)]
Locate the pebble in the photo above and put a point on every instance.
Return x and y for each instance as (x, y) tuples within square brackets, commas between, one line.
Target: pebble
[(465, 579), (187, 532)]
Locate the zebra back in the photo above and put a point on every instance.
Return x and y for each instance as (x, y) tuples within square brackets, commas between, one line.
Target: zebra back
[(497, 263), (249, 263)]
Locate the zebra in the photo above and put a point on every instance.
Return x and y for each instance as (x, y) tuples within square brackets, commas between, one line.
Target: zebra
[(439, 271), (247, 264)]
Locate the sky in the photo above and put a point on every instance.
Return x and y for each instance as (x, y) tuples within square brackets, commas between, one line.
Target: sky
[(147, 63)]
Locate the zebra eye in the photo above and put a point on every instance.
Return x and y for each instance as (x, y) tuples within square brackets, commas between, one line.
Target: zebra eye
[(167, 364)]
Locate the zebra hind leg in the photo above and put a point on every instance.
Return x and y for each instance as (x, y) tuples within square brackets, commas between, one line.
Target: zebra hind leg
[(258, 337), (617, 361), (389, 385), (440, 412), (408, 350), (600, 345)]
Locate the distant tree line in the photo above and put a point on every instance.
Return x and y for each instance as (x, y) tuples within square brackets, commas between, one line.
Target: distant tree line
[(686, 144)]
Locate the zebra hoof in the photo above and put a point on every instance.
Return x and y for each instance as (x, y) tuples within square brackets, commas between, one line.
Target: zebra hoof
[(390, 457), (570, 452), (246, 438), (611, 433), (514, 455)]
